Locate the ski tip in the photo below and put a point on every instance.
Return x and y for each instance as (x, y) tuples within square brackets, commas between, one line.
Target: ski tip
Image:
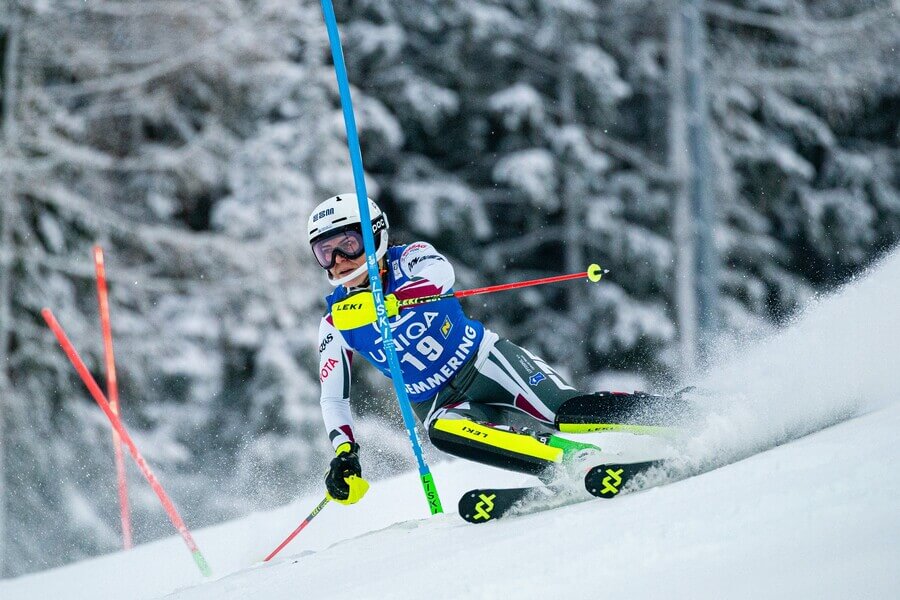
[(608, 480), (477, 506), (605, 481)]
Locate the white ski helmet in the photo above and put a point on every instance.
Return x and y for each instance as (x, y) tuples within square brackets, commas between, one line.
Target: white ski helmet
[(340, 215)]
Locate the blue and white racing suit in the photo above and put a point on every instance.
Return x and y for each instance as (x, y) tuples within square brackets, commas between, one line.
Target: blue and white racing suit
[(479, 397), (438, 346)]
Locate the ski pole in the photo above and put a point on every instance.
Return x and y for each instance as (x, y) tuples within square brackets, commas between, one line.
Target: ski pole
[(300, 528), (359, 309), (94, 389), (112, 390), (593, 274)]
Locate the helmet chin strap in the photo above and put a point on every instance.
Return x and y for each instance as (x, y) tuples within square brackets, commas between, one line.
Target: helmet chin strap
[(379, 254)]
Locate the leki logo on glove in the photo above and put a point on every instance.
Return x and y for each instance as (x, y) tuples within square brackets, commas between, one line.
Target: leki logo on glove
[(612, 481), (483, 509), (347, 306)]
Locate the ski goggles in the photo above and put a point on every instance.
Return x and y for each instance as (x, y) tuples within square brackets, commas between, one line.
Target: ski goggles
[(348, 243)]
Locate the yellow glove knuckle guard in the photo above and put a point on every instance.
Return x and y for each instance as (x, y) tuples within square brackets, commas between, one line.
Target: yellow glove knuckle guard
[(359, 310), (354, 311), (392, 305), (358, 489)]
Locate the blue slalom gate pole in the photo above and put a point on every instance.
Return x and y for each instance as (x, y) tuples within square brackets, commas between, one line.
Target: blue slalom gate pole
[(340, 70)]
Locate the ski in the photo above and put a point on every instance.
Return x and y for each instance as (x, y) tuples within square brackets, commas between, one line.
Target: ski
[(489, 504), (602, 481), (610, 479)]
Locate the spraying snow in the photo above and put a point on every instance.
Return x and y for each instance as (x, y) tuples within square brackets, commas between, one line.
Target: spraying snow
[(837, 359)]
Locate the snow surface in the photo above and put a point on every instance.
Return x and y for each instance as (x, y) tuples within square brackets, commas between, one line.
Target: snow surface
[(807, 509)]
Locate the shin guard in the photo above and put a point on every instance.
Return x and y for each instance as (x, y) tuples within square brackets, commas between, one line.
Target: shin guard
[(493, 446)]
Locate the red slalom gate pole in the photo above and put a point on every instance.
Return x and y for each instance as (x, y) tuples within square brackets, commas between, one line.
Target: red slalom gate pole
[(95, 391), (112, 390), (300, 528)]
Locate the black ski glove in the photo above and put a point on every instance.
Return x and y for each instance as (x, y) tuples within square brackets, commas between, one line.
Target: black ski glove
[(344, 480)]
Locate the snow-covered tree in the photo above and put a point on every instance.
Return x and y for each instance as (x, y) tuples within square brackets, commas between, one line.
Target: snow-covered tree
[(534, 137), (190, 140), (522, 137), (803, 101)]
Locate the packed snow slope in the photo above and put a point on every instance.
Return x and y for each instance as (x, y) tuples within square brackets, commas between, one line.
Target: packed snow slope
[(806, 505)]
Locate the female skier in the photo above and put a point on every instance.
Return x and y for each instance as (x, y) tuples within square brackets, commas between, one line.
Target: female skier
[(468, 387)]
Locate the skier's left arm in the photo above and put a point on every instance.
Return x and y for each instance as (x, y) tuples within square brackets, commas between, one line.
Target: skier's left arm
[(429, 271)]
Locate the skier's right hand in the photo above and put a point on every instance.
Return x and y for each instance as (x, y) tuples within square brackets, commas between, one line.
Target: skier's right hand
[(343, 481)]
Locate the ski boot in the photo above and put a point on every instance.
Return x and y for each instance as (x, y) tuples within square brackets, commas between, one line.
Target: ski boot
[(577, 459)]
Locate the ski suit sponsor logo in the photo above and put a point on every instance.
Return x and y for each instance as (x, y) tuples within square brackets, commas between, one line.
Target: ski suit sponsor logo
[(446, 327), (543, 367), (526, 364), (416, 260), (413, 248), (405, 329), (325, 342), (327, 369), (322, 214), (396, 266), (449, 369), (536, 378)]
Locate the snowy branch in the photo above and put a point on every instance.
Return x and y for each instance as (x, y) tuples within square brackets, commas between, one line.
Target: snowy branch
[(57, 151), (146, 8), (144, 279), (805, 78), (832, 27), (633, 156), (527, 243), (142, 77)]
